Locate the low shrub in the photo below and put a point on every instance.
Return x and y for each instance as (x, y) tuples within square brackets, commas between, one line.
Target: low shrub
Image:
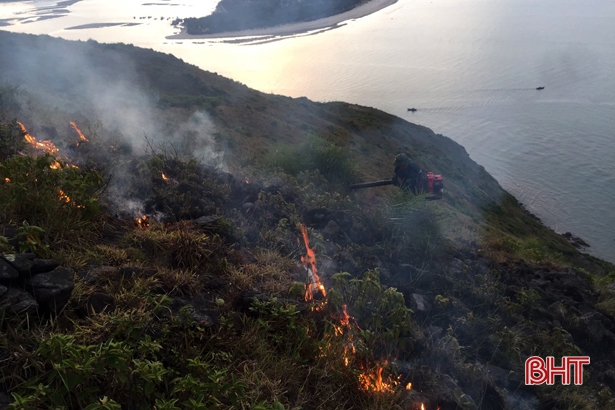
[(332, 161)]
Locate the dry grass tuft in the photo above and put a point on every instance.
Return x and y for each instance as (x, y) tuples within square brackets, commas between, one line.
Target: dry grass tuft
[(179, 282)]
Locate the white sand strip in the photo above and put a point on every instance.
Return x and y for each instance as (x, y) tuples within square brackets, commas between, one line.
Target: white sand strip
[(363, 10)]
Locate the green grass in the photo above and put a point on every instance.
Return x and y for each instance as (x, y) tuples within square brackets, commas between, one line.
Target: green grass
[(315, 154)]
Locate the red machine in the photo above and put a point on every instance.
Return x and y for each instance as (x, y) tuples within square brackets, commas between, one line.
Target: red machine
[(435, 184)]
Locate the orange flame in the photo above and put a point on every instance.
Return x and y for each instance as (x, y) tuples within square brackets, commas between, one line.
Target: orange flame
[(7, 180), (164, 176), (81, 137), (374, 382), (55, 165), (369, 380), (309, 261), (345, 320), (66, 198), (142, 222), (422, 406), (46, 145)]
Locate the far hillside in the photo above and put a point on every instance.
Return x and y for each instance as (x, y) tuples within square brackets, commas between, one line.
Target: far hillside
[(236, 15)]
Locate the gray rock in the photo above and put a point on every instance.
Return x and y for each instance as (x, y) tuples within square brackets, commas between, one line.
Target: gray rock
[(206, 220), (43, 265), (419, 302), (17, 301), (23, 262), (7, 272), (593, 325), (52, 290)]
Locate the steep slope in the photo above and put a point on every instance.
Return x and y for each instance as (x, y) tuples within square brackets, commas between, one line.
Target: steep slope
[(479, 309)]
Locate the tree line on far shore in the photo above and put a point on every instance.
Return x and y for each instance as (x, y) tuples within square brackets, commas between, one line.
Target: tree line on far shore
[(235, 15)]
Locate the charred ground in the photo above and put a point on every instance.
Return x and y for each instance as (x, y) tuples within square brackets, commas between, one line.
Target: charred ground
[(201, 304)]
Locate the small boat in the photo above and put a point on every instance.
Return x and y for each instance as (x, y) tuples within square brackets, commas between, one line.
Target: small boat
[(540, 88), (412, 109)]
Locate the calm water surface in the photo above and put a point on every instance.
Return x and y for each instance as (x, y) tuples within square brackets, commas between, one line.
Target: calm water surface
[(470, 67)]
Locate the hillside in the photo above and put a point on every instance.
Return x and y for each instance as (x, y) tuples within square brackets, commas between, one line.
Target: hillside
[(165, 252), (237, 15)]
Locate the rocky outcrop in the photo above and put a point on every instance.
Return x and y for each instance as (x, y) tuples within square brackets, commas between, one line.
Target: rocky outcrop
[(29, 284)]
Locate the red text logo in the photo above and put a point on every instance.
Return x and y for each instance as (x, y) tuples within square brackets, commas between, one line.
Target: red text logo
[(539, 371)]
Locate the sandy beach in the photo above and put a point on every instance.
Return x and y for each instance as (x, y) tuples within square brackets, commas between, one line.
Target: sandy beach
[(296, 28)]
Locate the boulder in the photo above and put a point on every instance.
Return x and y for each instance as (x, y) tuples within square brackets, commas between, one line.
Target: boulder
[(52, 290), (7, 272), (207, 220), (23, 262), (43, 265), (17, 300)]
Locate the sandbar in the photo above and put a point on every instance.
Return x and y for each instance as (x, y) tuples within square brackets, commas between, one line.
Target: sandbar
[(363, 10), (100, 25)]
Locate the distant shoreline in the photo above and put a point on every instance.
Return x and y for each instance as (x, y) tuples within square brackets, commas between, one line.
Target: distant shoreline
[(363, 10)]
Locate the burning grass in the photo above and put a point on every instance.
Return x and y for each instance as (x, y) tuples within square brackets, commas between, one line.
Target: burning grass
[(64, 201), (170, 290)]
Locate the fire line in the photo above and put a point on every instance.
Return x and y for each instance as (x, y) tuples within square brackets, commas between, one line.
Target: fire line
[(309, 260)]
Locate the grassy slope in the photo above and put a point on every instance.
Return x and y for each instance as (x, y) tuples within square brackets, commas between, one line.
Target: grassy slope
[(251, 126)]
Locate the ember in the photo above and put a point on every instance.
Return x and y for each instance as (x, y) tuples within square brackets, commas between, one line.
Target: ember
[(7, 180), (64, 197), (164, 176), (309, 261), (142, 221)]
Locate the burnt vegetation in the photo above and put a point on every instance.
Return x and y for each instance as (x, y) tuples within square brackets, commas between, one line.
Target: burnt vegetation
[(149, 272)]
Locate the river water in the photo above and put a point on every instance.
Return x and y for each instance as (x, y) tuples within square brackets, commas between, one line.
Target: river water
[(470, 67)]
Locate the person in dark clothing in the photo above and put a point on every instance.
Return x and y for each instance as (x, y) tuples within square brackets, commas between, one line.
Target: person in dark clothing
[(407, 176)]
